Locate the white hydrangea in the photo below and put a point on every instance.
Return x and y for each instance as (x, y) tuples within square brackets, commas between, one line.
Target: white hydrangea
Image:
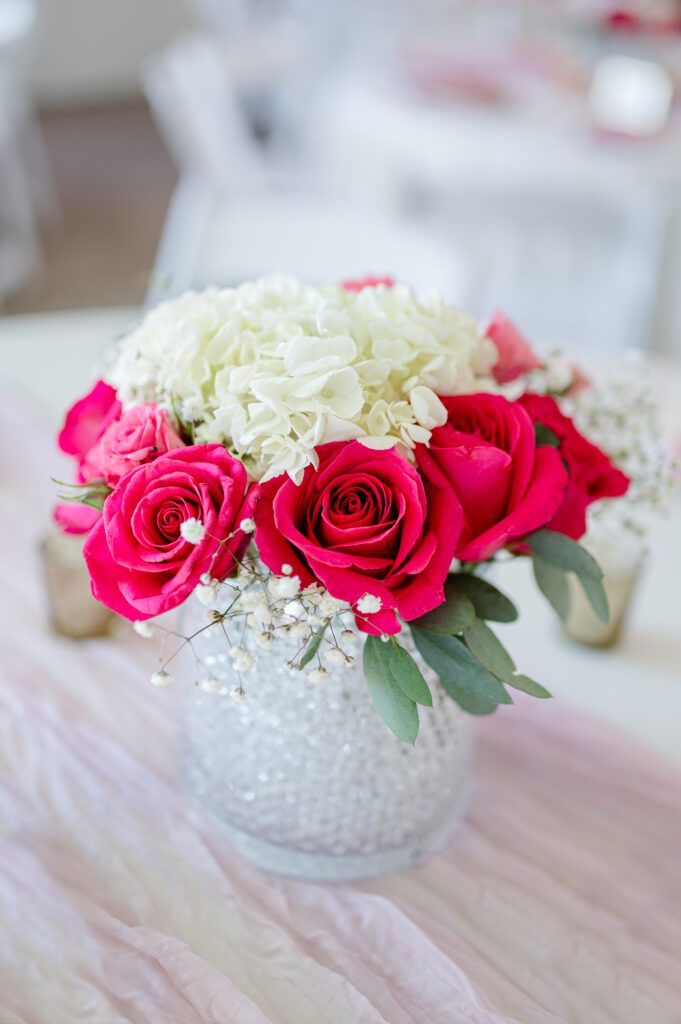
[(274, 367)]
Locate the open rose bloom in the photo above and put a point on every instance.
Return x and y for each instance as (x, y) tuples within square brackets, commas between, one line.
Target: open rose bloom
[(337, 461)]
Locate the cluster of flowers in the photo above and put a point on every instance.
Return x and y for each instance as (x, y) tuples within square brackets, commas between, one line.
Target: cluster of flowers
[(358, 440)]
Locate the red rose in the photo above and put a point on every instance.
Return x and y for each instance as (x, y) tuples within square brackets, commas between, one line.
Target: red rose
[(139, 561), (86, 421), (364, 526), (592, 475), (486, 454)]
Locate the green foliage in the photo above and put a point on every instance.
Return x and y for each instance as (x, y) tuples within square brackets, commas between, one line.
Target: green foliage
[(458, 668), (564, 554), (396, 685), (544, 435), (452, 617), (553, 584), (312, 648), (489, 603)]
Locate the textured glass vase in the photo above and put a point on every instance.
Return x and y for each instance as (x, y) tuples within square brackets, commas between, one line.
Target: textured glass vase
[(305, 778)]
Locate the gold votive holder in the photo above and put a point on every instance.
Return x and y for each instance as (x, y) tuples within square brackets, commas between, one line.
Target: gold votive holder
[(620, 555), (73, 611)]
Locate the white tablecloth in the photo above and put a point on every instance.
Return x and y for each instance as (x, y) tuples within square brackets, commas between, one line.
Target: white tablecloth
[(559, 901)]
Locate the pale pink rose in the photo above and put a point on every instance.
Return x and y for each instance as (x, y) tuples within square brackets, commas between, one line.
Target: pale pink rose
[(516, 355), (140, 435)]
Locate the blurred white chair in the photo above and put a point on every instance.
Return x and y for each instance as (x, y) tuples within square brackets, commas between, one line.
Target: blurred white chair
[(574, 265), (231, 218), (26, 186)]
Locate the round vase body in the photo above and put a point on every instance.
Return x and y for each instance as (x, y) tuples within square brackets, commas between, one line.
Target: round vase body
[(304, 777)]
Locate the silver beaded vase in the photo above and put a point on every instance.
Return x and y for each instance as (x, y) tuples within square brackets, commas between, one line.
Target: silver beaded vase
[(304, 777)]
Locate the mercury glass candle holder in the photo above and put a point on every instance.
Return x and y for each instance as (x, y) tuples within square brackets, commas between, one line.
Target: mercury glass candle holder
[(620, 555), (304, 778), (73, 611)]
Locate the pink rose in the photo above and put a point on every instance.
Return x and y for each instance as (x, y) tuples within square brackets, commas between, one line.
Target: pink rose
[(367, 282), (364, 526), (86, 421), (516, 355), (139, 562), (592, 476), (140, 435), (487, 455)]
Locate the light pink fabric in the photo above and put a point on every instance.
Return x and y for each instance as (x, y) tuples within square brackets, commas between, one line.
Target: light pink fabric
[(559, 902)]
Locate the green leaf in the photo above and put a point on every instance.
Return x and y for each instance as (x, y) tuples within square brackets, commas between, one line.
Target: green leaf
[(489, 603), (312, 648), (564, 553), (398, 711), (489, 650), (598, 599), (451, 617), (528, 685), (471, 702), (544, 435), (407, 674), (455, 664), (553, 584)]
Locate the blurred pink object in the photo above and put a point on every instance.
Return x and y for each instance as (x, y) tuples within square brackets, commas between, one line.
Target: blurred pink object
[(72, 517), (580, 381), (516, 355), (87, 420), (367, 282)]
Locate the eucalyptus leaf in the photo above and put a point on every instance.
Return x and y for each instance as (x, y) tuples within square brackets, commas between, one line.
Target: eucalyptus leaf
[(489, 603), (451, 617), (565, 553), (406, 673), (312, 648), (397, 710), (553, 584), (454, 663), (598, 599), (470, 702), (528, 685), (489, 650)]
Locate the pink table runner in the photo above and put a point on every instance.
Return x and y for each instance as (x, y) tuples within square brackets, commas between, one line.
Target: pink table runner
[(560, 900)]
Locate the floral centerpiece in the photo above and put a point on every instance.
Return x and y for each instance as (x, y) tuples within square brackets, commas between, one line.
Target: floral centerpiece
[(332, 468)]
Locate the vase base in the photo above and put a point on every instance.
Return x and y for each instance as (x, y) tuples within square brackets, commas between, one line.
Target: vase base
[(347, 867)]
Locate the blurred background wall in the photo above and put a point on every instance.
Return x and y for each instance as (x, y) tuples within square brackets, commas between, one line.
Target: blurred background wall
[(511, 153), (90, 51)]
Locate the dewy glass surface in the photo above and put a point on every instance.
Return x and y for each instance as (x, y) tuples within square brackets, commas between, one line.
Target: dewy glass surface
[(305, 778)]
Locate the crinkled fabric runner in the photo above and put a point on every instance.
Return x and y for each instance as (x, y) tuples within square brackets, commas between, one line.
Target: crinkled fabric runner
[(559, 902)]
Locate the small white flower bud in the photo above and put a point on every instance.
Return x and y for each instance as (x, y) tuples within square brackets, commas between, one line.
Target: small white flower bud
[(368, 604), (242, 660), (264, 640), (193, 530), (210, 684), (334, 656), (144, 629), (238, 694), (298, 630), (284, 587), (295, 609), (318, 675), (206, 594), (348, 636), (247, 525), (160, 679), (286, 569), (385, 638)]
